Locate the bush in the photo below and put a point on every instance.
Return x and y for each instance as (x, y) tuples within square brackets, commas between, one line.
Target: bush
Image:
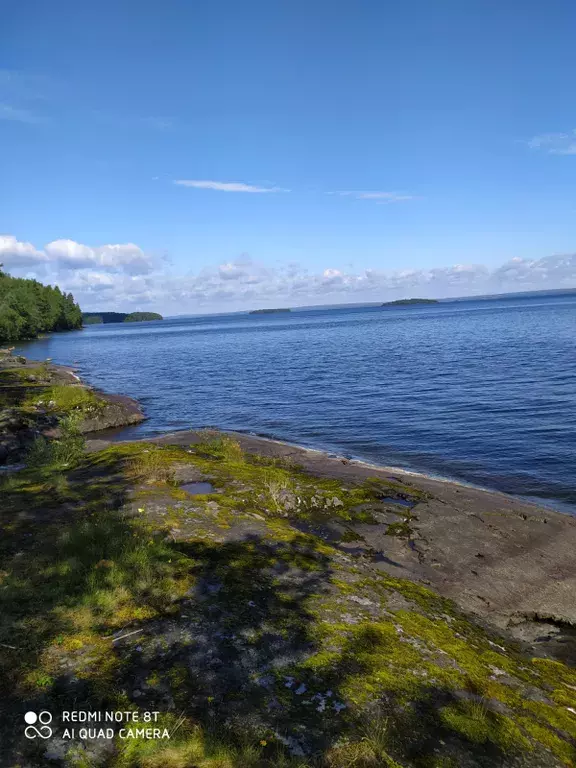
[(69, 447), (40, 453), (219, 446), (67, 450)]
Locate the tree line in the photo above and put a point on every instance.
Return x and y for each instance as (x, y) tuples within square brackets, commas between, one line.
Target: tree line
[(94, 318), (28, 308)]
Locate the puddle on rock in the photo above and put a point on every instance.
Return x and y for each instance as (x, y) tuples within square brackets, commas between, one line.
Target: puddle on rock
[(401, 502), (197, 489)]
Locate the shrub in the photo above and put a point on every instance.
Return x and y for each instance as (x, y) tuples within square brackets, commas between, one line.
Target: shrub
[(66, 450), (69, 447), (151, 466), (40, 453), (219, 446)]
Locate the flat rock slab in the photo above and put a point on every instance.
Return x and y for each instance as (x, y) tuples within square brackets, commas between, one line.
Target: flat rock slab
[(119, 411), (504, 559)]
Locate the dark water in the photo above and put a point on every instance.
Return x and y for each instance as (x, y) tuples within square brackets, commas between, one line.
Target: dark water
[(482, 391)]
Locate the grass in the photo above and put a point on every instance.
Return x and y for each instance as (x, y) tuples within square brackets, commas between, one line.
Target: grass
[(25, 376), (277, 489), (221, 447), (150, 466), (65, 451), (200, 747), (252, 645), (478, 723), (66, 399), (371, 751)]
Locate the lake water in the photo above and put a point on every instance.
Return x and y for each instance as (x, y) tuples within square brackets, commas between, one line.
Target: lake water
[(480, 391)]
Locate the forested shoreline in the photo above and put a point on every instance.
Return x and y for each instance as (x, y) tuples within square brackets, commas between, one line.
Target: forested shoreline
[(97, 318), (28, 308)]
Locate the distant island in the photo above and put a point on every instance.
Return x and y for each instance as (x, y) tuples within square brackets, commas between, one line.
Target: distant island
[(96, 318), (268, 311), (136, 317), (402, 302)]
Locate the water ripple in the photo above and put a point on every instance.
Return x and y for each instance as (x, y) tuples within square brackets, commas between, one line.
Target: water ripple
[(480, 391)]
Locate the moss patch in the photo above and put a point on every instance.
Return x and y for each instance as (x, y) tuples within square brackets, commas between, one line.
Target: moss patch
[(274, 647), (64, 399)]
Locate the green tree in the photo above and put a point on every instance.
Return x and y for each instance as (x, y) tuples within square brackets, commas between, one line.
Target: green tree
[(28, 308)]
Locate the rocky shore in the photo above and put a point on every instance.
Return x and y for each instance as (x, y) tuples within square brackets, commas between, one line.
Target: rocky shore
[(274, 605), (34, 395), (501, 558)]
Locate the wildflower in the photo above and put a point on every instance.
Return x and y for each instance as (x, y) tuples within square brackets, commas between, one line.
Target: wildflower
[(263, 742)]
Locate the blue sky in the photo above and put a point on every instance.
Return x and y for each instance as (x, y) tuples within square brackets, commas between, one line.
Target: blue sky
[(346, 150)]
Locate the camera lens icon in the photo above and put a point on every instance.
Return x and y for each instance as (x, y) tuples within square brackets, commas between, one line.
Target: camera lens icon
[(43, 718)]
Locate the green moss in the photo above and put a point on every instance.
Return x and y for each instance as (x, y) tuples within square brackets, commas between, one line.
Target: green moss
[(20, 376), (476, 722), (555, 672), (335, 621), (375, 656), (221, 447), (558, 746), (423, 597), (557, 717), (389, 488), (62, 398), (349, 536), (400, 529), (344, 587)]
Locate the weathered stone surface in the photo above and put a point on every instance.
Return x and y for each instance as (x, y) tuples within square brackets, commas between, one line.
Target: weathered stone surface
[(504, 559), (20, 422), (119, 411)]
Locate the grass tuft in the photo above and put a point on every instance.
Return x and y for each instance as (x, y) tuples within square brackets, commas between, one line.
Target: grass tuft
[(218, 446), (65, 451), (66, 398), (150, 466)]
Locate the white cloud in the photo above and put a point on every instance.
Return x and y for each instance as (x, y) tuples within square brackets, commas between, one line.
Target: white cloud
[(384, 197), (555, 143), (126, 257), (231, 271), (70, 253), (91, 281), (226, 186), (14, 253), (120, 276)]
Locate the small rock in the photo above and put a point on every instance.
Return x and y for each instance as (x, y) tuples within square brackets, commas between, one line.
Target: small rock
[(360, 600)]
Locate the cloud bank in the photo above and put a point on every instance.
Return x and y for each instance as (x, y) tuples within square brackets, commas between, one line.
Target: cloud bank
[(124, 276)]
